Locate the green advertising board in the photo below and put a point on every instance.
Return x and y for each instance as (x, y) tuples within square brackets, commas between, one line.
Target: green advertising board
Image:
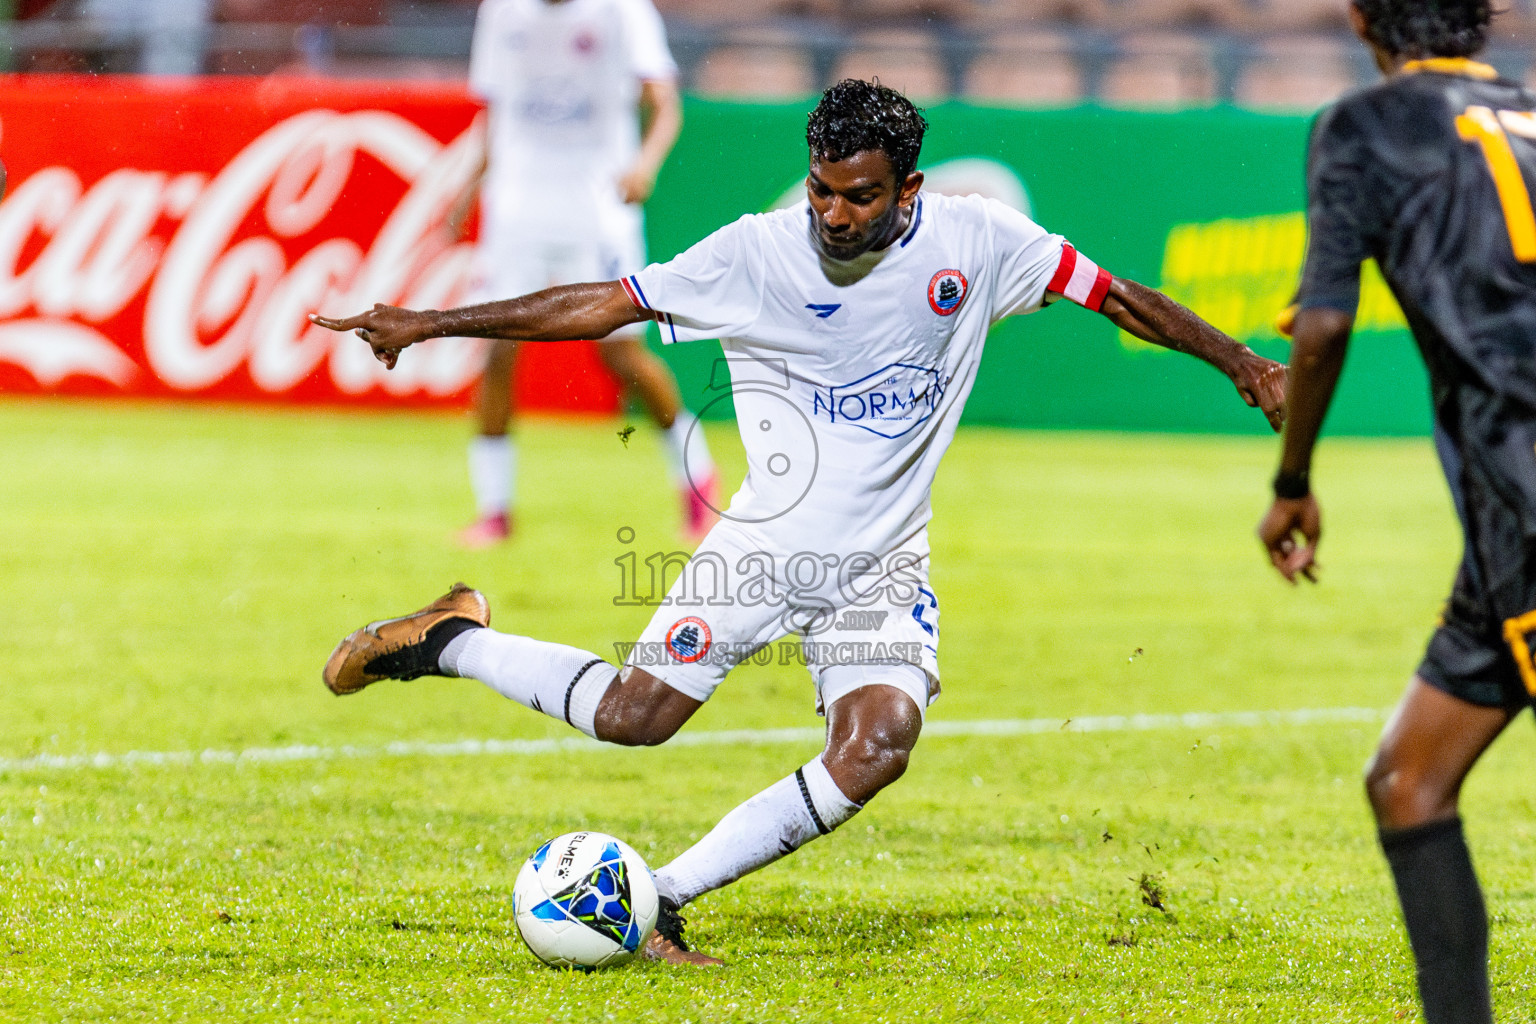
[(1205, 205)]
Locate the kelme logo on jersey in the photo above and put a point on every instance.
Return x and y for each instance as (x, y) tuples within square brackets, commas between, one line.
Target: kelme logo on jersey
[(946, 291), (889, 402), (688, 639)]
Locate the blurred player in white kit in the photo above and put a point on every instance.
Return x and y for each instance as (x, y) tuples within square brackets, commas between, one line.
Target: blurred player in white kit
[(569, 85)]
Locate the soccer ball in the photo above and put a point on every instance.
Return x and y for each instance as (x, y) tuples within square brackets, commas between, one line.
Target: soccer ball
[(584, 900)]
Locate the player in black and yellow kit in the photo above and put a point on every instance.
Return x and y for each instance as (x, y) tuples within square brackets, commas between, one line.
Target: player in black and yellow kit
[(1430, 174)]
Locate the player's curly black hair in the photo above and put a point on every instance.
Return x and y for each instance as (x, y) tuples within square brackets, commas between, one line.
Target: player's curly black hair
[(854, 116), (1427, 28)]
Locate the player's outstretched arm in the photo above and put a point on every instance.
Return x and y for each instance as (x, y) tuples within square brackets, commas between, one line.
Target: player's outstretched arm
[(1291, 528), (1153, 316), (554, 314)]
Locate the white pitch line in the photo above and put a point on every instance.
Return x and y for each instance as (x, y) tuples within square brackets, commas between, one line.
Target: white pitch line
[(724, 738)]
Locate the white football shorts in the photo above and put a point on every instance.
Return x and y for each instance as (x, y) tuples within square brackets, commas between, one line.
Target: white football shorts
[(512, 260), (732, 600)]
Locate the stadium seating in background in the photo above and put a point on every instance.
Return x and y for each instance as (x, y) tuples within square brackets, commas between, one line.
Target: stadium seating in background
[(925, 13), (1270, 54), (1515, 21), (1039, 68), (1276, 54), (746, 12), (302, 12), (1171, 14), (1301, 15), (1006, 15), (906, 59), (764, 63), (343, 38), (1160, 69), (1298, 72)]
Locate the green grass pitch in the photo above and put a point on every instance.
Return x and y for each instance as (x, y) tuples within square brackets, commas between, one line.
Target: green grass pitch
[(171, 579)]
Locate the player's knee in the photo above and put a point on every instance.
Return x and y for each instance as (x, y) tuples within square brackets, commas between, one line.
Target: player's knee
[(629, 727), (888, 763), (1401, 797), (642, 712), (874, 759)]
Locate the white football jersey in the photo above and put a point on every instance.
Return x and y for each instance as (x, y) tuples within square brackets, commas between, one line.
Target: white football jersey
[(849, 378), (562, 83)]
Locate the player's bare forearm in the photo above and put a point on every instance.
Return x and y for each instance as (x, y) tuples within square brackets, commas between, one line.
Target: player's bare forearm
[(661, 110), (554, 314), (1320, 339), (1153, 316), (661, 118), (1292, 527)]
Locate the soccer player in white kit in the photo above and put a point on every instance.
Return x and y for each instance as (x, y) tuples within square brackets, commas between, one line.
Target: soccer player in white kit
[(567, 85), (852, 326)]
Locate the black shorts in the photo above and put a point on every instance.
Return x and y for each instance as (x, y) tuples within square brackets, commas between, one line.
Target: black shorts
[(1482, 651), (1474, 665)]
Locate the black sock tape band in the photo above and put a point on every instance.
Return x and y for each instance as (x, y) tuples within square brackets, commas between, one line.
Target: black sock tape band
[(572, 688), (805, 792)]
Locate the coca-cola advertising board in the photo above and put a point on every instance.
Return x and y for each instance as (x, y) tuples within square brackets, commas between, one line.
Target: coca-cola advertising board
[(165, 238)]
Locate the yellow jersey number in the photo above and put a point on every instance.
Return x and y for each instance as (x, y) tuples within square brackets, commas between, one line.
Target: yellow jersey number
[(1491, 131)]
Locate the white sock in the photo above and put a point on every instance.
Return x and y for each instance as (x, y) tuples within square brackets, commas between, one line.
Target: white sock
[(565, 683), (687, 451), (779, 820), (492, 473)]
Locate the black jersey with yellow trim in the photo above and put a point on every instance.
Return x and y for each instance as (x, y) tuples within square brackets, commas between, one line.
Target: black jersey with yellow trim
[(1431, 173)]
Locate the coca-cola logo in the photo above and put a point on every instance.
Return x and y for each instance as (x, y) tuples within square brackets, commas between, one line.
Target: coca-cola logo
[(213, 257)]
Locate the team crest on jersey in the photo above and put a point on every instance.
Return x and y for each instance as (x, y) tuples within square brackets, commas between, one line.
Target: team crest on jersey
[(688, 640), (946, 291)]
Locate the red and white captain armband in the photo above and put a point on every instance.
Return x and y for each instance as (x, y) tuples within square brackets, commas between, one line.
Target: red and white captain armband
[(1080, 279)]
